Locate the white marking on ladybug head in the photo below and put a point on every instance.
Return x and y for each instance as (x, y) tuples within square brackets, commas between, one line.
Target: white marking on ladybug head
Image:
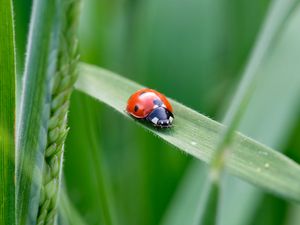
[(155, 106), (155, 120), (170, 119), (163, 105)]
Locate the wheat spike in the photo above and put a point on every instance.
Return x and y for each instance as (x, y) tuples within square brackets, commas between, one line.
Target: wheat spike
[(63, 82)]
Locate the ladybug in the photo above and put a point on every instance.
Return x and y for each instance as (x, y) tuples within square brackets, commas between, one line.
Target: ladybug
[(152, 106)]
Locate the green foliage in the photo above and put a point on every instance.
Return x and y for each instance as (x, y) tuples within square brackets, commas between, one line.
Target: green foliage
[(7, 114), (282, 106), (84, 135), (208, 204), (116, 172), (68, 213), (277, 15), (35, 107), (189, 51), (63, 81), (198, 135)]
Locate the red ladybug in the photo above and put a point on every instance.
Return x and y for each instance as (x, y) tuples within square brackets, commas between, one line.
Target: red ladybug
[(151, 106)]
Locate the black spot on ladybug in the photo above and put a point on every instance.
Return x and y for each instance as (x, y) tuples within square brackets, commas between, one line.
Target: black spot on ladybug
[(136, 108), (157, 102)]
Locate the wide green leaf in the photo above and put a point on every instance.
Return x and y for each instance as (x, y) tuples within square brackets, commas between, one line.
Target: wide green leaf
[(7, 114), (35, 107), (197, 135)]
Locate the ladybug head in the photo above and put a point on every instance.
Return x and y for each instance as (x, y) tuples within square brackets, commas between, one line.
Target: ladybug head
[(160, 117)]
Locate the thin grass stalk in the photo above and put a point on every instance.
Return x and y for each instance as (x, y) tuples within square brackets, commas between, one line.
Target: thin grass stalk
[(279, 12), (34, 108), (283, 120), (68, 211), (96, 156), (62, 87), (208, 205), (7, 114)]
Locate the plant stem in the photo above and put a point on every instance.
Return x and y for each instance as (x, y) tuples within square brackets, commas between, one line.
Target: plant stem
[(68, 211), (278, 13), (63, 82), (7, 114), (34, 108)]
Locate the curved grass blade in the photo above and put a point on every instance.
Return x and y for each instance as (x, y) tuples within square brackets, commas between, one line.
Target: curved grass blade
[(261, 129), (278, 13), (197, 135), (68, 211), (7, 114), (35, 107), (272, 130)]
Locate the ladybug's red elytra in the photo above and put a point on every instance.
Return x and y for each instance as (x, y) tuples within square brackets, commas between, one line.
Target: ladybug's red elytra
[(152, 106)]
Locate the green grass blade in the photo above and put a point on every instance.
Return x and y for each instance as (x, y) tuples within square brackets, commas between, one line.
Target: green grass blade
[(83, 142), (206, 211), (35, 107), (68, 211), (294, 215), (278, 14), (272, 130), (184, 204), (63, 81), (7, 113), (197, 135)]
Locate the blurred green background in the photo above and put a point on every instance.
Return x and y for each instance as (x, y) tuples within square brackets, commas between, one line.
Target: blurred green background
[(193, 51)]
